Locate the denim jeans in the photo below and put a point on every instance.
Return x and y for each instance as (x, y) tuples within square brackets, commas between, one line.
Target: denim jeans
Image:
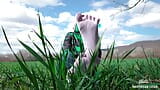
[(70, 60)]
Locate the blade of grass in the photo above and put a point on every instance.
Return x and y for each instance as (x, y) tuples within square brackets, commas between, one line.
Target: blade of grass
[(127, 53), (39, 49), (94, 56), (37, 56), (35, 79), (51, 46), (41, 34), (145, 54), (53, 71), (22, 58), (112, 51), (23, 66), (55, 54), (108, 52)]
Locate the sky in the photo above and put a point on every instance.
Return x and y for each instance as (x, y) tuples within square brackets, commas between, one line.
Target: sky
[(19, 19)]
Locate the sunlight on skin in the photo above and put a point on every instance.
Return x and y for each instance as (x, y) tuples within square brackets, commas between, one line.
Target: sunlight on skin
[(88, 26)]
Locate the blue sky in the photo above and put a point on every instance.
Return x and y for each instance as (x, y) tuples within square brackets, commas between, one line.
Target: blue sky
[(19, 18)]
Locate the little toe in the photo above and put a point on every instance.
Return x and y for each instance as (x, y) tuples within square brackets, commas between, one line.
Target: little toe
[(98, 20)]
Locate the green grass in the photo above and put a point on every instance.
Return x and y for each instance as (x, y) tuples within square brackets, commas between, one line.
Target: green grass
[(50, 72), (127, 74), (13, 76)]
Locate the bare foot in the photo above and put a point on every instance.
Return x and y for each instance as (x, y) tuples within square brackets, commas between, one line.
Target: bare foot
[(88, 26)]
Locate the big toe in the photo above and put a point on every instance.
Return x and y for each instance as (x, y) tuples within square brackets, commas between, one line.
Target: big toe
[(79, 17)]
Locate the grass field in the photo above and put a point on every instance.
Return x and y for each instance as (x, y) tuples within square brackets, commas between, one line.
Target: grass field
[(115, 75), (50, 72)]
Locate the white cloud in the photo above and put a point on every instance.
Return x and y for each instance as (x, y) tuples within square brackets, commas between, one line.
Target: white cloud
[(147, 16), (124, 37), (151, 19), (24, 20), (16, 13), (128, 35), (98, 4), (19, 20), (16, 18), (65, 17), (120, 38), (48, 19)]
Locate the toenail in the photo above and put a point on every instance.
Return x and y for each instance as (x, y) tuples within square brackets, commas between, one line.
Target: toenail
[(90, 17), (94, 18), (86, 16), (98, 20)]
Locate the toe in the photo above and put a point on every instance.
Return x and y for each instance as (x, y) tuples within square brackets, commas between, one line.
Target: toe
[(94, 18), (98, 20), (90, 17), (86, 16), (79, 17)]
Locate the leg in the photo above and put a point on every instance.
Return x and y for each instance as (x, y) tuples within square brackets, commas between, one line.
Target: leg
[(70, 60)]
